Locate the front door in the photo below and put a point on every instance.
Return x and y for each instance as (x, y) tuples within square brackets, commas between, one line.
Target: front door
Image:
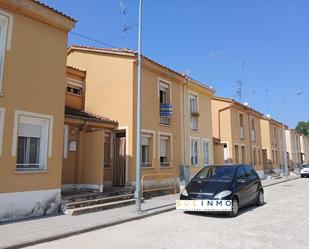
[(119, 170), (265, 159)]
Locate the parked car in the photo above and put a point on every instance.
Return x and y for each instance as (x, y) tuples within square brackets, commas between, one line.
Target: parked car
[(304, 170), (238, 183)]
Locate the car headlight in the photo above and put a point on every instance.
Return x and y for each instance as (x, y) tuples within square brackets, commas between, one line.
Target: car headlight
[(223, 194), (184, 192)]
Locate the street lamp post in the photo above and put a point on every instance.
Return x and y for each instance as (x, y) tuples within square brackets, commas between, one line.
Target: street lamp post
[(138, 203)]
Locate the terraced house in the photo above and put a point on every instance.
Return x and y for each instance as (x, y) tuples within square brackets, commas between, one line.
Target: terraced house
[(111, 92), (273, 144), (293, 148), (198, 145), (238, 127), (33, 43)]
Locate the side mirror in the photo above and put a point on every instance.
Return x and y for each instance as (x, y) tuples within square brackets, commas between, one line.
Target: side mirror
[(241, 180)]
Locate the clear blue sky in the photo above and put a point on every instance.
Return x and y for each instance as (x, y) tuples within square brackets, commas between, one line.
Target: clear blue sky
[(271, 37)]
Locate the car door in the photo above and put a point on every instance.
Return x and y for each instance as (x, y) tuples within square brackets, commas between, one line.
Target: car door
[(252, 183), (241, 188)]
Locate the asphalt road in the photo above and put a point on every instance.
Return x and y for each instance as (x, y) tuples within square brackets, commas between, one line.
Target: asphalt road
[(283, 222)]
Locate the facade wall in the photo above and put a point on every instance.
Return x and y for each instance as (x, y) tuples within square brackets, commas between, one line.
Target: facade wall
[(203, 133), (33, 84), (107, 77), (293, 148)]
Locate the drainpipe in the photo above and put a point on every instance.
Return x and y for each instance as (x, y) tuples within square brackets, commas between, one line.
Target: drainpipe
[(184, 106)]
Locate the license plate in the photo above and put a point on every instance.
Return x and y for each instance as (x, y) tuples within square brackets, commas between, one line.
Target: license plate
[(204, 205)]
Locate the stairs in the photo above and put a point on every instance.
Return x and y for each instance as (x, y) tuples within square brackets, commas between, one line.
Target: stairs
[(95, 202)]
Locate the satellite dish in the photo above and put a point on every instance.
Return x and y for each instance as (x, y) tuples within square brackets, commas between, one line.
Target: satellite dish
[(246, 103)]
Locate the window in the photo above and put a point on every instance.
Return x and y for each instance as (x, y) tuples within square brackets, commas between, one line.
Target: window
[(194, 151), (75, 87), (241, 125), (274, 136), (193, 111), (243, 154), (6, 21), (146, 149), (1, 127), (107, 149), (236, 148), (225, 153), (252, 130), (32, 140), (165, 152), (164, 98), (206, 152), (32, 143), (254, 156), (240, 173)]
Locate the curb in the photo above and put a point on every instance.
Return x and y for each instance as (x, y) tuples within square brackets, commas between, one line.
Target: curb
[(167, 208), (287, 180)]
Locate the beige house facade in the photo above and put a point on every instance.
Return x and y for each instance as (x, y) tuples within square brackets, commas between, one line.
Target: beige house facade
[(31, 107), (171, 136), (198, 146), (87, 141), (273, 144), (239, 129), (293, 148), (304, 145)]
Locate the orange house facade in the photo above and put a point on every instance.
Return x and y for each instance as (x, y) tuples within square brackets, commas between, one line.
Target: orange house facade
[(31, 107)]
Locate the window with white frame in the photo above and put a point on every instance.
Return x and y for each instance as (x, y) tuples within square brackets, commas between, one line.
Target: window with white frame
[(165, 142), (5, 38), (32, 143), (1, 127), (74, 87), (193, 111), (146, 149), (194, 151), (206, 152)]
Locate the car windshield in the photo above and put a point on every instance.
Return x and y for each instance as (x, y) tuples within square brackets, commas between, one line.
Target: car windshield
[(220, 172), (305, 166)]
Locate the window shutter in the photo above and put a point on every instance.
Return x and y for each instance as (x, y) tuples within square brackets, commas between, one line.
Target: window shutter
[(145, 140), (163, 147), (30, 130)]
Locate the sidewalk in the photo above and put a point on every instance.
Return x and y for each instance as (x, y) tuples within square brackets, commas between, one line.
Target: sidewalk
[(29, 232)]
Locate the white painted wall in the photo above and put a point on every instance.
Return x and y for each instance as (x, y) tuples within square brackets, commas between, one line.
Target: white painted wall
[(28, 204)]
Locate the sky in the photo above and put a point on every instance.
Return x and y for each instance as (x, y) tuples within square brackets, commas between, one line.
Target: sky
[(262, 43)]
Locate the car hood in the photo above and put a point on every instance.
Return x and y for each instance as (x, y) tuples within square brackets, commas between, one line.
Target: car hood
[(210, 187)]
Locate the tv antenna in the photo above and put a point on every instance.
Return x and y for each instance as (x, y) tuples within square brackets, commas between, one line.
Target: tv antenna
[(211, 56), (125, 27), (239, 90)]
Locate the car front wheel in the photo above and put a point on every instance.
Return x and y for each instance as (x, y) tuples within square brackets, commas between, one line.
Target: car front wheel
[(235, 208), (260, 199)]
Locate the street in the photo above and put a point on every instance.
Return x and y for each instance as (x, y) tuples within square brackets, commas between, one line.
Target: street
[(283, 222)]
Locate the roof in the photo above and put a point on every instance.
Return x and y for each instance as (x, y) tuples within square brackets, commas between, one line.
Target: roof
[(133, 53), (76, 69), (54, 10), (75, 113), (233, 101)]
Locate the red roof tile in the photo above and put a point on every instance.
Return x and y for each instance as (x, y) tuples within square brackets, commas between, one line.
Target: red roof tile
[(75, 113)]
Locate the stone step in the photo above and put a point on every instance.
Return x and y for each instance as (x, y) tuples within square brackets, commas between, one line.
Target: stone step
[(97, 201), (99, 207)]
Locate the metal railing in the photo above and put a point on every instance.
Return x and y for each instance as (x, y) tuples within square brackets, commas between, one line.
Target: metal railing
[(159, 184)]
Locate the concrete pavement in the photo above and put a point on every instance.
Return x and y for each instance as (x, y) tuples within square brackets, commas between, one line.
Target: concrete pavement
[(281, 223), (50, 228)]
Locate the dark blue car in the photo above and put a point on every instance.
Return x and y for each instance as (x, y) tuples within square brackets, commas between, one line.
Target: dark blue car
[(238, 183)]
